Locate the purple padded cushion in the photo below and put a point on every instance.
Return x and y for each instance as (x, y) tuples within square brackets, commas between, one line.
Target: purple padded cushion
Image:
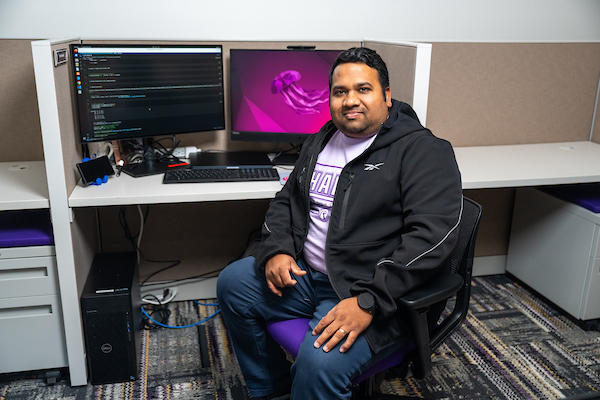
[(290, 334), (25, 228), (584, 195)]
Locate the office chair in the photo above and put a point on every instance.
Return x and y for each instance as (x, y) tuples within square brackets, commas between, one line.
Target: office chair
[(415, 359)]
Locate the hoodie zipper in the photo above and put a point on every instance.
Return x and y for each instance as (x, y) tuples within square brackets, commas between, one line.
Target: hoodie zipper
[(347, 190), (306, 170)]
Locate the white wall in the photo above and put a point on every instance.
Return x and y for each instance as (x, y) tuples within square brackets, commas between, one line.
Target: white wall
[(314, 20)]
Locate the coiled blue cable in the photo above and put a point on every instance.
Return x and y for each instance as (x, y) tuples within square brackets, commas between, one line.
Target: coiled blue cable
[(185, 326)]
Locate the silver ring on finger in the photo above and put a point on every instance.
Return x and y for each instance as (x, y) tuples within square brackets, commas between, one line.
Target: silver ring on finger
[(341, 330)]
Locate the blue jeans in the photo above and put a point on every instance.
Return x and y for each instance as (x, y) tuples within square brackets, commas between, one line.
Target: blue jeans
[(246, 303)]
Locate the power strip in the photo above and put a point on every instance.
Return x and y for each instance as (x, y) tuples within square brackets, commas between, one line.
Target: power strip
[(184, 152), (166, 297)]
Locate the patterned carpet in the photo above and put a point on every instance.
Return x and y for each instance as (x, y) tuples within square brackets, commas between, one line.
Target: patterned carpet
[(512, 346)]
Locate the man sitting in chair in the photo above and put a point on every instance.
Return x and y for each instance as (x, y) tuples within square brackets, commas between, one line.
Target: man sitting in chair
[(370, 212)]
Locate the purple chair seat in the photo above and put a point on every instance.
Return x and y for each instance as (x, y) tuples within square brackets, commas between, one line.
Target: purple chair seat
[(289, 334)]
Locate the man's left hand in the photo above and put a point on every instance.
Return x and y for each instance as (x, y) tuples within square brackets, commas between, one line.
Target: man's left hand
[(345, 320)]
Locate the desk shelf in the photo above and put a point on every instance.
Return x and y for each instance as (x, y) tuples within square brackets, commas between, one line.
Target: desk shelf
[(24, 186)]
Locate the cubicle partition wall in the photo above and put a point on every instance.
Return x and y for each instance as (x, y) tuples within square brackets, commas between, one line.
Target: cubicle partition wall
[(486, 94), (20, 133)]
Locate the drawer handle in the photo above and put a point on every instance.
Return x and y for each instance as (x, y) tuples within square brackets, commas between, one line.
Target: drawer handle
[(23, 273), (27, 311)]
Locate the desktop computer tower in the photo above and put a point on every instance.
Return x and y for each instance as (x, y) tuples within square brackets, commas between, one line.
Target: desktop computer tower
[(112, 319)]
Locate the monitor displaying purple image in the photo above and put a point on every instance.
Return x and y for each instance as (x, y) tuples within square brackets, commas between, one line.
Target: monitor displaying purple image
[(279, 95)]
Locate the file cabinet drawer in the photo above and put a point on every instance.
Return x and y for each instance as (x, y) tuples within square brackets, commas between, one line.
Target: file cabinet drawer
[(26, 252), (32, 334), (33, 276)]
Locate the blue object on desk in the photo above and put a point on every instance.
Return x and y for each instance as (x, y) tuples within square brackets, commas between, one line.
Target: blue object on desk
[(25, 228), (95, 171), (584, 195)]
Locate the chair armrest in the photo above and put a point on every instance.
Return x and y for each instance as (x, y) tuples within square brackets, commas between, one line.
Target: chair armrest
[(433, 291), (417, 302)]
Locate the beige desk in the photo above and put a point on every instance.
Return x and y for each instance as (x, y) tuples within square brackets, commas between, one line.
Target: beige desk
[(481, 168), (529, 164)]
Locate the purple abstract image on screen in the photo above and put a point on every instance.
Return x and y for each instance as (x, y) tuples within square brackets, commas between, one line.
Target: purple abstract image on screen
[(302, 101), (280, 91)]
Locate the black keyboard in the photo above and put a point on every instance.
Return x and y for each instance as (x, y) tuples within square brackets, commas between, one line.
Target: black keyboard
[(221, 175)]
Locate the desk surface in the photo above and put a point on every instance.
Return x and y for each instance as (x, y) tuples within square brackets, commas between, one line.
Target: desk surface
[(23, 185), (481, 167), (125, 190), (529, 164)]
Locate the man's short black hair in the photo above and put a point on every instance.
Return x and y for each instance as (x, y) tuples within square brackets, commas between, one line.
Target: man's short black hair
[(365, 56)]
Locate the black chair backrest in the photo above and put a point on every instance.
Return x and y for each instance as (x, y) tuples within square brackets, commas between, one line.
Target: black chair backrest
[(468, 224), (461, 262)]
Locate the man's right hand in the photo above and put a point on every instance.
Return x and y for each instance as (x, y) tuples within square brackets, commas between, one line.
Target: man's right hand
[(279, 270)]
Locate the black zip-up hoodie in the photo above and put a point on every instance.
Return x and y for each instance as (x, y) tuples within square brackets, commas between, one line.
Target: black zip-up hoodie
[(394, 218)]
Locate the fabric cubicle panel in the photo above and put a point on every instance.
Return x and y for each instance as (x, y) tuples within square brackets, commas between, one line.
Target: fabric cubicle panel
[(484, 94), (20, 131), (400, 60)]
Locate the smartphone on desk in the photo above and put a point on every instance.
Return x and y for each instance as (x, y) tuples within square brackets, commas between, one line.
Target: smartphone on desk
[(94, 169)]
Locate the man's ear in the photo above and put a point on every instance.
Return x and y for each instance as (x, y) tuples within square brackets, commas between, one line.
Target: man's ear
[(388, 97)]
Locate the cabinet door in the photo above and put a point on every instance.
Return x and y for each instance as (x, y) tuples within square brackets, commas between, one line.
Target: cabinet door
[(550, 248)]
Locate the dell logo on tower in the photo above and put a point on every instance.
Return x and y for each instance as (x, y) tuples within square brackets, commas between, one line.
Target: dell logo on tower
[(106, 348)]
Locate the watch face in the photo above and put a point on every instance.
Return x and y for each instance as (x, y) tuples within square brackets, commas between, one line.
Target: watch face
[(366, 301)]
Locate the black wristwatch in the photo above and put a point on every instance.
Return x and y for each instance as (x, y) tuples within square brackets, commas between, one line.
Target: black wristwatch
[(366, 301)]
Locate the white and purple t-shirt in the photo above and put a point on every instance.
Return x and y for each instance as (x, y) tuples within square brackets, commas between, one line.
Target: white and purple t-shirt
[(340, 150)]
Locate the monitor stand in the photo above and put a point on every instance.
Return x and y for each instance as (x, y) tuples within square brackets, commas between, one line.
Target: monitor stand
[(151, 165), (226, 159), (145, 168), (286, 159)]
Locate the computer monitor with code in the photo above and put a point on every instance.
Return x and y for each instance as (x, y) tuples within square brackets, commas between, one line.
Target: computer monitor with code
[(142, 91)]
